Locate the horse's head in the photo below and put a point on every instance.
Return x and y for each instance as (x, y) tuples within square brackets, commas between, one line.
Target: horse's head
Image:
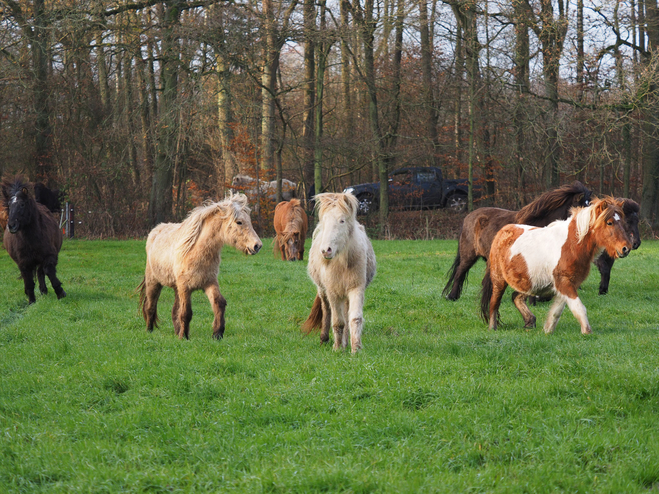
[(239, 231), (631, 210), (20, 205), (609, 227), (337, 215), (582, 195), (291, 242)]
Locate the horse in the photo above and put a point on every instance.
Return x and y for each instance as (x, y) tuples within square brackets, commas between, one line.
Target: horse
[(32, 238), (186, 257), (341, 264), (605, 262), (553, 260), (48, 197), (291, 224), (266, 189), (480, 226)]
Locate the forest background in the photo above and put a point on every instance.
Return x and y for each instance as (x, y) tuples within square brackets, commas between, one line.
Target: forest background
[(140, 110)]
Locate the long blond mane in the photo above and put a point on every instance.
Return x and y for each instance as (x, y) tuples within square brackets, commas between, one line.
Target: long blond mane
[(192, 226), (326, 201), (599, 211)]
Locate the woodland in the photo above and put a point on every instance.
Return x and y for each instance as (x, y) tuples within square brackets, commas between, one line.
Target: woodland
[(140, 110)]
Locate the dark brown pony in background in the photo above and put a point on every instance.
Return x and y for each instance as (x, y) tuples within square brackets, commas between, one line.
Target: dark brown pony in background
[(481, 226), (32, 238), (291, 226)]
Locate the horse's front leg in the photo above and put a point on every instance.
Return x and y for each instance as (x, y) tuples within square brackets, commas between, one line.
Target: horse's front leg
[(554, 313), (327, 318), (41, 276), (51, 272), (219, 304), (28, 283), (604, 263), (579, 310), (184, 313), (337, 308), (356, 318)]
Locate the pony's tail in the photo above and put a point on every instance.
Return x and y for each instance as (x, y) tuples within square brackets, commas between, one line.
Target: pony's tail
[(315, 319), (451, 279), (486, 295)]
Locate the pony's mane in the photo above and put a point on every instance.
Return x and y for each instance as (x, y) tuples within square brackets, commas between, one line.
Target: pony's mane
[(347, 203), (588, 217), (11, 186), (296, 217), (191, 227), (549, 201)]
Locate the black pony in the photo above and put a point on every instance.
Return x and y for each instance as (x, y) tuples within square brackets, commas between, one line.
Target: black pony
[(32, 238), (48, 197)]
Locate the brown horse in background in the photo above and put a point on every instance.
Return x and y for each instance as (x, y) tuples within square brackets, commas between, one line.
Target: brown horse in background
[(480, 227), (291, 226)]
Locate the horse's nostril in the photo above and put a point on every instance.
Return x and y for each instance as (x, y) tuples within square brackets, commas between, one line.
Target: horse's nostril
[(257, 247)]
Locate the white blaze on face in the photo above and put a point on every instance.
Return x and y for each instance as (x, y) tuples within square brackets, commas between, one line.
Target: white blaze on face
[(616, 217), (541, 250), (13, 200)]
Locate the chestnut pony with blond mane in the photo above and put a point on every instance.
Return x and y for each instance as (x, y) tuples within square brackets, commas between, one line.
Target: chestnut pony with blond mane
[(341, 264), (186, 257), (291, 224), (553, 260)]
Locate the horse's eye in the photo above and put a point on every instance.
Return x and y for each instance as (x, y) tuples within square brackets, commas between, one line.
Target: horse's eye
[(239, 222), (609, 222), (342, 221)]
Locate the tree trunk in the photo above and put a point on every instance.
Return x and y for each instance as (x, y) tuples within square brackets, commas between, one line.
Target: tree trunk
[(426, 68)]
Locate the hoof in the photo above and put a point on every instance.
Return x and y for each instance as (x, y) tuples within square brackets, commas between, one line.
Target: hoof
[(60, 295), (43, 291), (587, 331), (218, 335)]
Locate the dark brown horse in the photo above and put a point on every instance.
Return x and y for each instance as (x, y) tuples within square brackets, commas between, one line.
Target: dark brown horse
[(480, 227), (291, 226), (605, 262), (32, 238)]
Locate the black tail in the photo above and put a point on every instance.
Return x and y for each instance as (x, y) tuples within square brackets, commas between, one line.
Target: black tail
[(447, 292), (486, 295)]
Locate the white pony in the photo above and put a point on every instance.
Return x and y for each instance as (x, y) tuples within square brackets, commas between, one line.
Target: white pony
[(266, 189), (341, 264)]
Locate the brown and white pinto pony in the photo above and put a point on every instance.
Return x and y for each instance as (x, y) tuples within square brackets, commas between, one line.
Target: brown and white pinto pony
[(342, 265), (553, 260), (480, 227), (186, 257), (291, 225)]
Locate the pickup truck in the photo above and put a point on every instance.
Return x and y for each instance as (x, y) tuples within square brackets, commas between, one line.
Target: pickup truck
[(415, 187)]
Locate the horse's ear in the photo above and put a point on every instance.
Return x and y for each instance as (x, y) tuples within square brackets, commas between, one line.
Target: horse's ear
[(24, 190)]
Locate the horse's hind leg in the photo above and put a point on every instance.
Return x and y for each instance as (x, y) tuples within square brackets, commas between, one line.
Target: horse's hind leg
[(28, 283), (464, 261), (51, 272), (519, 299), (219, 304), (175, 309), (184, 313), (41, 277), (356, 318), (498, 288)]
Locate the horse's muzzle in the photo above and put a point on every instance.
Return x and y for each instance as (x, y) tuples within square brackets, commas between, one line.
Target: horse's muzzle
[(254, 250), (13, 228), (624, 253)]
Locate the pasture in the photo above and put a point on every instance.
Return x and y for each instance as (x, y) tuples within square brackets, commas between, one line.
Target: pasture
[(89, 402)]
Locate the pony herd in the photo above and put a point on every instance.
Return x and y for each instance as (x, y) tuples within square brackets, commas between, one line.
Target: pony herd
[(543, 250)]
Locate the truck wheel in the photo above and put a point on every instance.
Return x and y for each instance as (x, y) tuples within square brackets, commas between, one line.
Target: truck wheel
[(457, 203), (366, 204)]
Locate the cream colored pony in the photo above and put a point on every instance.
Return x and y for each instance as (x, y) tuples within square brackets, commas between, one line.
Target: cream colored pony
[(341, 264), (186, 257)]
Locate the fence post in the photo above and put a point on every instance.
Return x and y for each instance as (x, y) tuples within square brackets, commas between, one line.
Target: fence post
[(69, 218)]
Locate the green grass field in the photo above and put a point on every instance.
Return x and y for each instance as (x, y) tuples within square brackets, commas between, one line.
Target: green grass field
[(89, 402)]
